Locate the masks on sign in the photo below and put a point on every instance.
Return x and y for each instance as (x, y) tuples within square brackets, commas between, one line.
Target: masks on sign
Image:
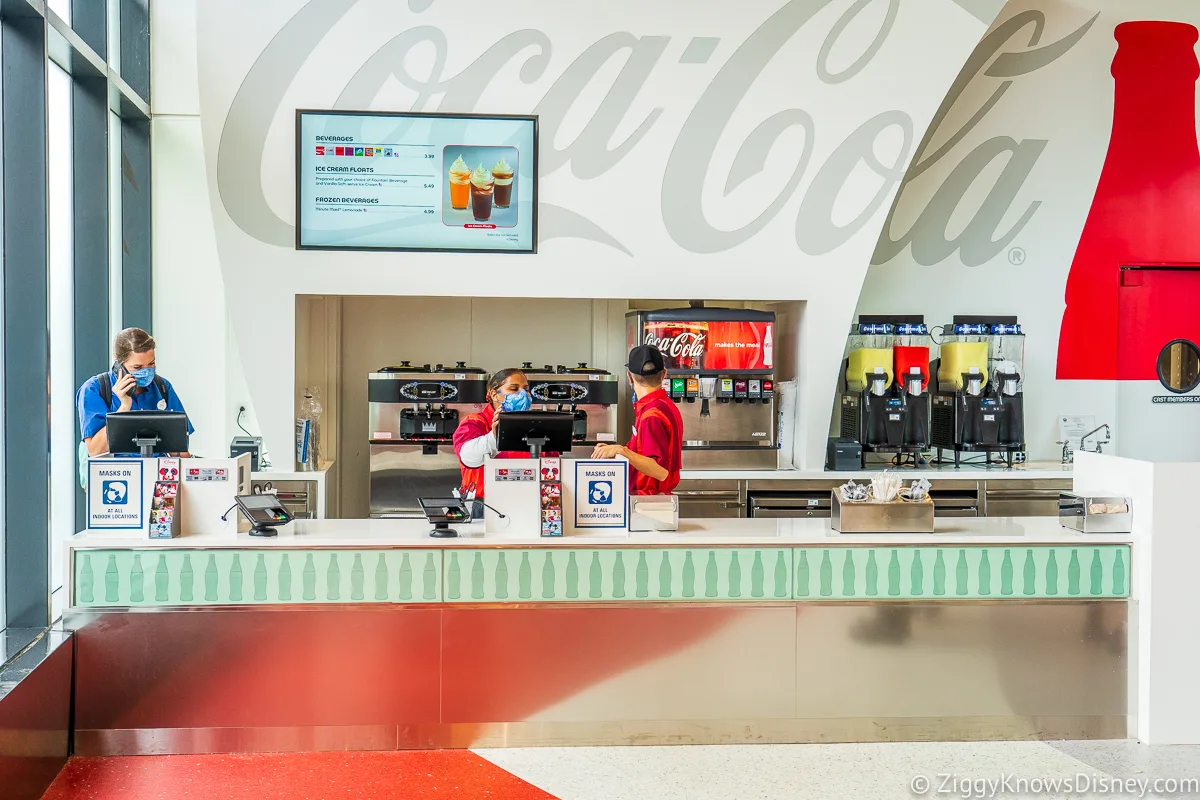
[(144, 377), (519, 401)]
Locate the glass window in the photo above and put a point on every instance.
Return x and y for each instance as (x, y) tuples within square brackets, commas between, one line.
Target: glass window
[(62, 8), (114, 34), (60, 232), (116, 243)]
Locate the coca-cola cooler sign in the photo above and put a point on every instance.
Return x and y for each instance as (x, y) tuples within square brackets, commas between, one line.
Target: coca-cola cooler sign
[(711, 346)]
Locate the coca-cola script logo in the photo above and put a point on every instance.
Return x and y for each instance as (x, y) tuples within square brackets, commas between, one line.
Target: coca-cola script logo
[(1012, 49), (684, 345)]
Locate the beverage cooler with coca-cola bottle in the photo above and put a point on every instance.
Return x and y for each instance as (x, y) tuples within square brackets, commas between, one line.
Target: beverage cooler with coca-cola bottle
[(721, 372)]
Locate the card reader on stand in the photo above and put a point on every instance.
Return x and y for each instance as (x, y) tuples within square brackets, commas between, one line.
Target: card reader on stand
[(444, 512), (263, 511)]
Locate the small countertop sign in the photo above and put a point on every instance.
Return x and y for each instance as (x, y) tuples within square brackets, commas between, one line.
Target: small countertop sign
[(117, 494)]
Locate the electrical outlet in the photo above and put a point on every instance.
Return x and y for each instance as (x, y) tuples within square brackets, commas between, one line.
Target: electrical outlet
[(1019, 457)]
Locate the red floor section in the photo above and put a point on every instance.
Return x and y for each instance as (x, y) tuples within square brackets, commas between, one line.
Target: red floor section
[(442, 774)]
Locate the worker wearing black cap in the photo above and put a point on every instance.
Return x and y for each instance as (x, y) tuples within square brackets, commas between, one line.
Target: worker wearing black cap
[(656, 450)]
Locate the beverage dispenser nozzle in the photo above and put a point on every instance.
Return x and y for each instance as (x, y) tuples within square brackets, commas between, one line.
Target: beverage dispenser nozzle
[(708, 390), (1008, 382), (973, 382), (915, 382), (878, 382)]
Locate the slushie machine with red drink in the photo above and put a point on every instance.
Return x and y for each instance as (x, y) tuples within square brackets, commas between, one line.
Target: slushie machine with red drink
[(885, 402), (721, 371), (979, 392)]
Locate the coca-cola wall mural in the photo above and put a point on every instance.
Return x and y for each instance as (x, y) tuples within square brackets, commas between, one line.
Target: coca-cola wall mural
[(714, 153), (1091, 165)]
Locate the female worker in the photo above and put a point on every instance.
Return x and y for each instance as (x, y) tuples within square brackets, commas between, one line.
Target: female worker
[(475, 436), (131, 384)]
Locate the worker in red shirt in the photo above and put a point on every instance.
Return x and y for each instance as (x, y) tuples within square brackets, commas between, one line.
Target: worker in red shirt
[(656, 450), (475, 436)]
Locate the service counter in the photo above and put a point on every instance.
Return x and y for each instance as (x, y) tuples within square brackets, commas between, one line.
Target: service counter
[(352, 634)]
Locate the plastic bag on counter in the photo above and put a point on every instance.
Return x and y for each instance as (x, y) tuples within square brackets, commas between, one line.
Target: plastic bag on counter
[(786, 392), (916, 493), (852, 492)]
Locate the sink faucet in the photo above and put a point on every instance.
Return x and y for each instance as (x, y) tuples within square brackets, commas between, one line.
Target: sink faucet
[(1099, 445)]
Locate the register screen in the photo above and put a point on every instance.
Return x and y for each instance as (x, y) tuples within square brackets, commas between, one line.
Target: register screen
[(406, 181)]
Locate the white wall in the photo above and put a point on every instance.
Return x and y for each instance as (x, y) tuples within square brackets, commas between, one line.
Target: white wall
[(662, 218), (197, 348)]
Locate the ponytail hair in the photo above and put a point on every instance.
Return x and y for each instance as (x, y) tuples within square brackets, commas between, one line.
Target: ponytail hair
[(499, 379), (131, 341)]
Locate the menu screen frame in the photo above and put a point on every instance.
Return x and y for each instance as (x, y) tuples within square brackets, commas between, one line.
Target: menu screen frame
[(300, 158)]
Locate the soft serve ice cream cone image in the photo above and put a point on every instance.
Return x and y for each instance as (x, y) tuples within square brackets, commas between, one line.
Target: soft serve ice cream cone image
[(460, 184), (503, 175), (482, 186)]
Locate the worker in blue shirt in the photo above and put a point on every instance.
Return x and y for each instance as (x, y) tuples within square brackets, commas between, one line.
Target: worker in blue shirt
[(131, 385)]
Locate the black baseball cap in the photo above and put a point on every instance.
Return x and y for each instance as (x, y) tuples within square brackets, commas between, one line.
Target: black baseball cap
[(645, 354)]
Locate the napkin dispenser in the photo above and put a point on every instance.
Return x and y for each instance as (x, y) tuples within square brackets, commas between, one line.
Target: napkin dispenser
[(653, 512)]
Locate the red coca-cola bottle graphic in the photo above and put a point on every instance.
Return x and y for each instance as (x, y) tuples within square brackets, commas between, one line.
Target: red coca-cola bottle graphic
[(1147, 202)]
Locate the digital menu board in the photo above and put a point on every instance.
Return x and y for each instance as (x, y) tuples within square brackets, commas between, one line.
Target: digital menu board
[(369, 180)]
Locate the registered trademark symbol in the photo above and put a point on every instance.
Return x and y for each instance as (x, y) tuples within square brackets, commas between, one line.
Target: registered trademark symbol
[(1016, 256)]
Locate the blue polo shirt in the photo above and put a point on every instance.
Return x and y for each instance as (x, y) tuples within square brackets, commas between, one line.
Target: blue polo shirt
[(92, 411)]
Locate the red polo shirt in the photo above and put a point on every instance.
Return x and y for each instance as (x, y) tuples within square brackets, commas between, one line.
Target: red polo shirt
[(657, 434)]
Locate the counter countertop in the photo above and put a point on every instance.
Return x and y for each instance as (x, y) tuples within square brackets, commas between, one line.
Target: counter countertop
[(996, 531), (1040, 470)]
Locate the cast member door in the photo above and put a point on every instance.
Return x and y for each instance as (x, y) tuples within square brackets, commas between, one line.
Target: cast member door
[(1158, 363)]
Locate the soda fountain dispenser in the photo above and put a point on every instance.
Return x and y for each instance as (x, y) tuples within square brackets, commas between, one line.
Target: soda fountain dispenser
[(978, 402), (884, 402), (721, 372)]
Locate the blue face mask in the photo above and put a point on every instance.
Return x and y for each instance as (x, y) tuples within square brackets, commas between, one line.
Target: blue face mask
[(144, 377), (519, 401)]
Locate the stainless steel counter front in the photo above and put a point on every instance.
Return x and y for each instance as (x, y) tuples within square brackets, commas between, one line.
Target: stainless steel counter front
[(368, 634)]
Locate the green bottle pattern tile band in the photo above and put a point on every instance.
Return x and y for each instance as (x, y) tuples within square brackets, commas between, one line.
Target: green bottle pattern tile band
[(174, 577), (254, 577), (963, 572), (626, 575)]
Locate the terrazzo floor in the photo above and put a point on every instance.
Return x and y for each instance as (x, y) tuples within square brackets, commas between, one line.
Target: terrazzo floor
[(849, 771), (732, 772)]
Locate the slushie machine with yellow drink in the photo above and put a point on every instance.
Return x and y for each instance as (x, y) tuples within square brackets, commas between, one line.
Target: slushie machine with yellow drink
[(978, 399), (884, 403)]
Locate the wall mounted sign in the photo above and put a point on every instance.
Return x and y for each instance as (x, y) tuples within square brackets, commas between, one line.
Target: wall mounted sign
[(416, 181)]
